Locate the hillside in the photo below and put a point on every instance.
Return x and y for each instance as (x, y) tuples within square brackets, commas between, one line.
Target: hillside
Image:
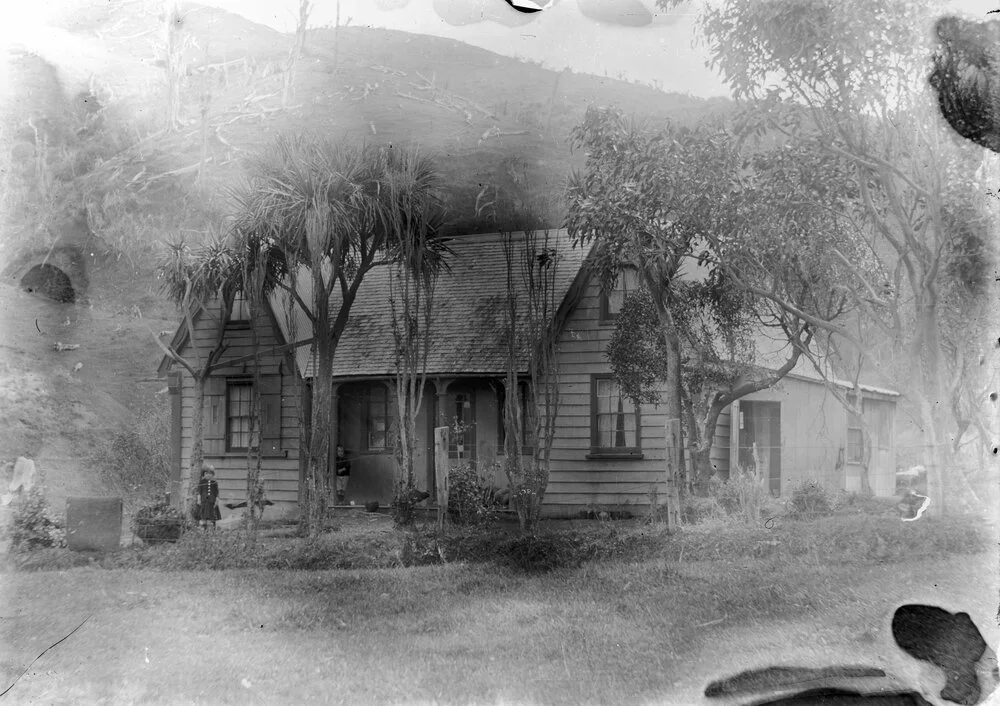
[(93, 175)]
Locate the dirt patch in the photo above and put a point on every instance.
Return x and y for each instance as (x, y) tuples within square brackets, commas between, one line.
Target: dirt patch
[(49, 281), (71, 375)]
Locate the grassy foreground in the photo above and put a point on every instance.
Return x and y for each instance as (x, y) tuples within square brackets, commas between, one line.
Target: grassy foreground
[(643, 626)]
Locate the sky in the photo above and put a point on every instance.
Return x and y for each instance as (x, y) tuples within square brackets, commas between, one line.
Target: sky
[(662, 53)]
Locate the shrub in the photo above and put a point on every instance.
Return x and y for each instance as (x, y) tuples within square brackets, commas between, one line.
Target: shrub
[(471, 499), (742, 496), (32, 527), (158, 523), (542, 553), (698, 509), (135, 464), (809, 500)]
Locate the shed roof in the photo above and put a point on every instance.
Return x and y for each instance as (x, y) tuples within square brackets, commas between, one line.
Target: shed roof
[(468, 310)]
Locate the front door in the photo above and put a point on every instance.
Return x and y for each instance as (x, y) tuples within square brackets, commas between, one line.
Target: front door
[(460, 414), (760, 427)]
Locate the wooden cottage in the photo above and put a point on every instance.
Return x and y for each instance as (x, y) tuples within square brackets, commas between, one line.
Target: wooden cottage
[(607, 452)]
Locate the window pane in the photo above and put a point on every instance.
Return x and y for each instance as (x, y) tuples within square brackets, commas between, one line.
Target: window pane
[(241, 309), (240, 396), (605, 427), (628, 281), (614, 417), (615, 300), (854, 446)]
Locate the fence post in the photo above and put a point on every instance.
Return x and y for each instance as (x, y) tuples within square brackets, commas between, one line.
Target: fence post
[(441, 472), (671, 452)]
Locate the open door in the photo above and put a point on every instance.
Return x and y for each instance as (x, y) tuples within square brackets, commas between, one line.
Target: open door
[(760, 423)]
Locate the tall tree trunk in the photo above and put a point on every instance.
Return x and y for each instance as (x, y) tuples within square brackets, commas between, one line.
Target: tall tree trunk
[(673, 409), (197, 435), (320, 438)]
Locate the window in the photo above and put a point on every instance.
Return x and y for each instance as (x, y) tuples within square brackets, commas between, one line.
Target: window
[(239, 402), (614, 423), (240, 313), (611, 301), (377, 418), (855, 435)]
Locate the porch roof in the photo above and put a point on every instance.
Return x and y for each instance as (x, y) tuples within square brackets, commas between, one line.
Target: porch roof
[(467, 317)]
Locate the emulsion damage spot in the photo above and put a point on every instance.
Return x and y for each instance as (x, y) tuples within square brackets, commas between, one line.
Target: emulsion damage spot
[(949, 641)]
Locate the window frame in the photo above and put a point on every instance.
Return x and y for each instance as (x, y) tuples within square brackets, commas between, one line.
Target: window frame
[(853, 425), (241, 305), (617, 452), (232, 383)]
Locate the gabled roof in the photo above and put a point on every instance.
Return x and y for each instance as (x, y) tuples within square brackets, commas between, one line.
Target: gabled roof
[(468, 310)]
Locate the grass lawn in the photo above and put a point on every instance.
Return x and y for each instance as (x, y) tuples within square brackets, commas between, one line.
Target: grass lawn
[(639, 629)]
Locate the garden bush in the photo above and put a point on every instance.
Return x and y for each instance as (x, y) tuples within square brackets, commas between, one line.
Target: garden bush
[(810, 500), (542, 553), (742, 495), (32, 527), (471, 499), (158, 523)]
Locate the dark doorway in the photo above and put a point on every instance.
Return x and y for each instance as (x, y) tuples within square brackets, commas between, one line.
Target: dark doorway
[(49, 281), (760, 424)]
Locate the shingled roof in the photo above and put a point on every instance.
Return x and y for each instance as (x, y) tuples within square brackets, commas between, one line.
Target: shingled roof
[(468, 311)]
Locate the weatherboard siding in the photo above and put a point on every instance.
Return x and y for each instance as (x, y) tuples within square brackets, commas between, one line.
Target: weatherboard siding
[(576, 482), (280, 467)]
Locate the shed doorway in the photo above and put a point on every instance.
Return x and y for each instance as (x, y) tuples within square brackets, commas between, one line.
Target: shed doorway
[(760, 427)]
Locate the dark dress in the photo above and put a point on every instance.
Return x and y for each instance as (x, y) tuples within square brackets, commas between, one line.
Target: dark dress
[(208, 495), (343, 465)]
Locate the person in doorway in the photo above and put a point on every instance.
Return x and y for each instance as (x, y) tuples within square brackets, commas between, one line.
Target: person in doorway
[(342, 472), (208, 498)]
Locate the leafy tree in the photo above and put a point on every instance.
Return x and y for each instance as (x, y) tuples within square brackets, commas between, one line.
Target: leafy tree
[(412, 279), (328, 213), (647, 199), (531, 338), (669, 201), (850, 79)]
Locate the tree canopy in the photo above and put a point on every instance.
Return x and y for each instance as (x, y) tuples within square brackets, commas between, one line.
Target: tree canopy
[(850, 80)]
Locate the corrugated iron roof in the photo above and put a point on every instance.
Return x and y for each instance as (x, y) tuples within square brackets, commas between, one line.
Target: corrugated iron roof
[(468, 310)]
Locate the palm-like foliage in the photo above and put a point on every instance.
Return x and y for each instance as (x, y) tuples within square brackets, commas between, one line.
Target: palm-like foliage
[(336, 203), (193, 278), (335, 210)]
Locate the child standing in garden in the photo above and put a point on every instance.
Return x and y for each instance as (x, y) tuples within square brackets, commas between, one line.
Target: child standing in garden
[(208, 496)]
